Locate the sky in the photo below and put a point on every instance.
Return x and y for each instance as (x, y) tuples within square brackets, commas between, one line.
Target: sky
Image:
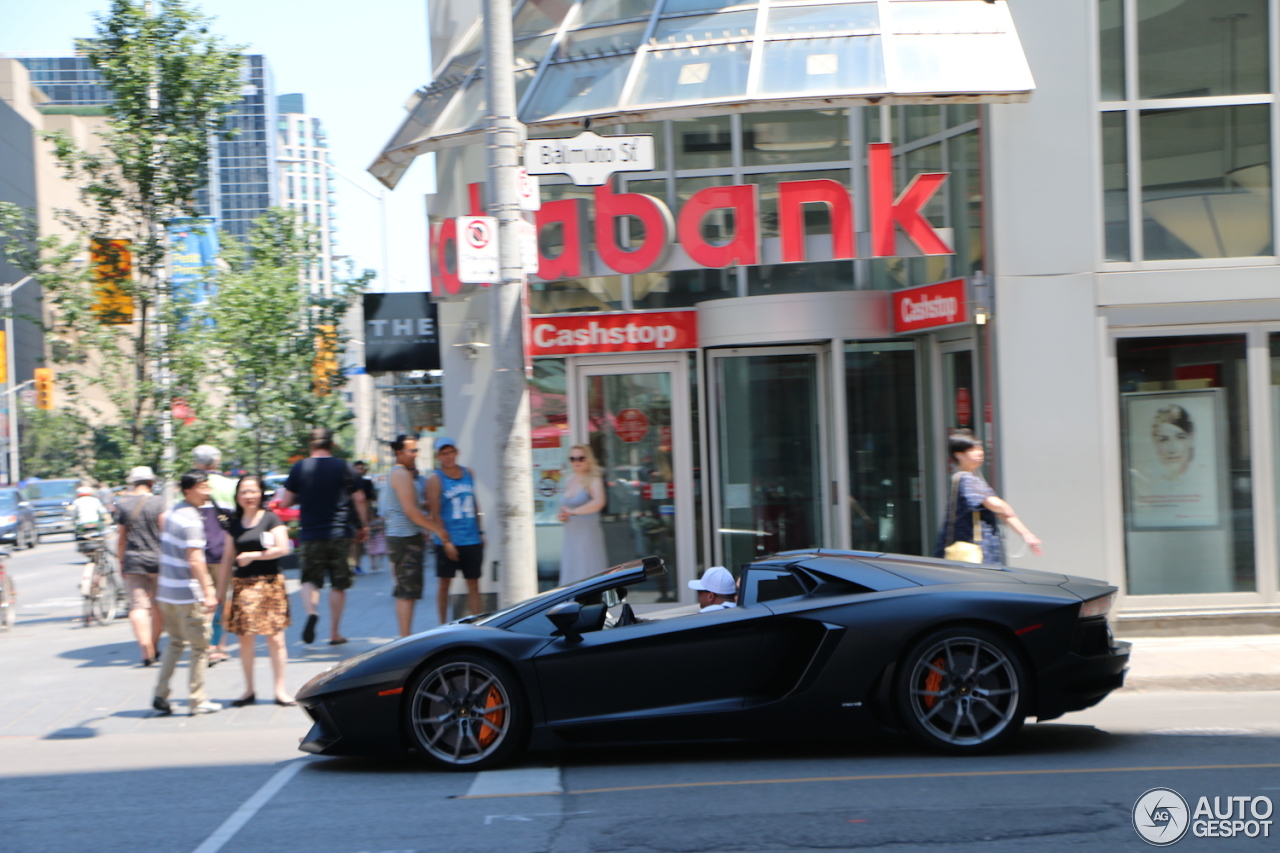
[(357, 64)]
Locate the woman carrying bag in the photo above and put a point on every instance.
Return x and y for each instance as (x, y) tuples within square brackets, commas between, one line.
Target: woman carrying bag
[(969, 533)]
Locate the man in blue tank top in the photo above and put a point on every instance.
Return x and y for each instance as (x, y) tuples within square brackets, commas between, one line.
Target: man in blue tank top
[(451, 495)]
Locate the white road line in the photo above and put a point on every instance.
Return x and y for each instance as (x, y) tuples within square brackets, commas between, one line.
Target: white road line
[(521, 780), (245, 813)]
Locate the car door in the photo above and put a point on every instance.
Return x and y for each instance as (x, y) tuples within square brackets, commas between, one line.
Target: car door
[(695, 667)]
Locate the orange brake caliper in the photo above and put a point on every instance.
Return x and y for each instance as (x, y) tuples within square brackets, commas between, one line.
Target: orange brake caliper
[(489, 733), (933, 683)]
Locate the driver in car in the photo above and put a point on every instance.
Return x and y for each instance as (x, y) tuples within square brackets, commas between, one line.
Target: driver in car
[(716, 590)]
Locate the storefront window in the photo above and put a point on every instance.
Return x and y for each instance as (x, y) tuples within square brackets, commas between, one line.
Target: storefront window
[(770, 451), (800, 278), (569, 295), (629, 428), (658, 131), (1202, 48), (549, 419), (1206, 182), (1188, 509), (965, 200), (1111, 49), (782, 139), (1274, 403), (884, 444), (1115, 186), (682, 289), (705, 143)]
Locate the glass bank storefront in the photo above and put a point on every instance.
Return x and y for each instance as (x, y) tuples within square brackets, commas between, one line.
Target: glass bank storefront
[(832, 154)]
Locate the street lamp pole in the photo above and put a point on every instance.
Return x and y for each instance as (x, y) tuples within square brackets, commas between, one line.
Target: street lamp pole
[(9, 386), (504, 137)]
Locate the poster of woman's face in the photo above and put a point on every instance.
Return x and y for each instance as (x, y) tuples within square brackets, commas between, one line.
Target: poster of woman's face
[(1173, 458)]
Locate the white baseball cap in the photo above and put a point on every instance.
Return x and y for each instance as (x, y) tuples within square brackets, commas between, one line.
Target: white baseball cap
[(716, 580)]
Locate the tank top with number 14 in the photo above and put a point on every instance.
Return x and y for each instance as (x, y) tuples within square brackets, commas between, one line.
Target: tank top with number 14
[(458, 508)]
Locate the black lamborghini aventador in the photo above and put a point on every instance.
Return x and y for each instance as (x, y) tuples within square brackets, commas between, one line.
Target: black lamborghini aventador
[(956, 654)]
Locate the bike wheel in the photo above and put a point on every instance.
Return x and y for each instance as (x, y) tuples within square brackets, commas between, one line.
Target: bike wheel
[(104, 592), (8, 602)]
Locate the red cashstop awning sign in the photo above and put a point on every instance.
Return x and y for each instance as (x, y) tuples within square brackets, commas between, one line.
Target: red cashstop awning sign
[(920, 309)]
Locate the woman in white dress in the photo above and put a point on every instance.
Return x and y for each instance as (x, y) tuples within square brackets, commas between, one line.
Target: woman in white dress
[(583, 552)]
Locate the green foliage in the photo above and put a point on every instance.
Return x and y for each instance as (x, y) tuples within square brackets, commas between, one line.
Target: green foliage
[(172, 84), (267, 329), (54, 443)]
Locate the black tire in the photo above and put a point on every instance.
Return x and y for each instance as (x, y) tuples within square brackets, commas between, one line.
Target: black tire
[(465, 712), (104, 595), (963, 690)]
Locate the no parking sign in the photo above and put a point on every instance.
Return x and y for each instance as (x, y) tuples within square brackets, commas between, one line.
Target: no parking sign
[(478, 249)]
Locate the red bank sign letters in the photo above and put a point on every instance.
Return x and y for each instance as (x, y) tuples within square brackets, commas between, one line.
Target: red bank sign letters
[(641, 331), (579, 229), (916, 309)]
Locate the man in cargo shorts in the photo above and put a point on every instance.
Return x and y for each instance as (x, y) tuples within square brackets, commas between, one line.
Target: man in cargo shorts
[(408, 529), (327, 490)]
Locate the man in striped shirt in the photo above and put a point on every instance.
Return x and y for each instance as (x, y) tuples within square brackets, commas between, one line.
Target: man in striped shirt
[(186, 594)]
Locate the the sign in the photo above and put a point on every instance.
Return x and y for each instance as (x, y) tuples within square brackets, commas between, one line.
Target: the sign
[(193, 249), (931, 306), (631, 425), (530, 190), (112, 272), (478, 249), (528, 246), (633, 331), (895, 227), (964, 407), (588, 158), (401, 332)]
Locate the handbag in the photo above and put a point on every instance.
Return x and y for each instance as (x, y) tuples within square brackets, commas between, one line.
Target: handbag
[(963, 551)]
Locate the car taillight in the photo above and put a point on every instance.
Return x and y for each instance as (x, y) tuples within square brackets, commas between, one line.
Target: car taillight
[(1099, 606)]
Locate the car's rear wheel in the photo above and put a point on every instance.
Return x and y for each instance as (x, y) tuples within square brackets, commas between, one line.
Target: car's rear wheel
[(466, 712), (963, 690)]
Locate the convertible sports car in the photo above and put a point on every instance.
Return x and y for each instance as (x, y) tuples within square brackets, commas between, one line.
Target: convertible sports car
[(830, 642)]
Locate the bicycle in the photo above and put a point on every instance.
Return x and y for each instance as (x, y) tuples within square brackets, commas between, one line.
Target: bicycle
[(101, 585), (8, 594)]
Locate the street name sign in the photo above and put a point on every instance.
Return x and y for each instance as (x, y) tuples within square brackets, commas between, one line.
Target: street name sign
[(588, 158)]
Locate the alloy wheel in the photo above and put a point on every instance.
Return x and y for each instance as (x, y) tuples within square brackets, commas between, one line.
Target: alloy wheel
[(461, 713), (963, 691)]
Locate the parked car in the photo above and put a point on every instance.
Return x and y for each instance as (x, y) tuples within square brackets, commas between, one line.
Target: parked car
[(274, 483), (955, 654), (17, 520), (51, 502)]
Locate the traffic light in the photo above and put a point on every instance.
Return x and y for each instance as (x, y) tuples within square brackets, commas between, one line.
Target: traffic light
[(44, 388)]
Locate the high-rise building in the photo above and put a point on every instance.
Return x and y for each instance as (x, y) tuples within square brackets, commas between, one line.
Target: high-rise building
[(244, 166), (305, 184)]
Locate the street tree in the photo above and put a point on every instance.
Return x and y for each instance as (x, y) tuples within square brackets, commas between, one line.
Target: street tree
[(172, 83), (276, 344)]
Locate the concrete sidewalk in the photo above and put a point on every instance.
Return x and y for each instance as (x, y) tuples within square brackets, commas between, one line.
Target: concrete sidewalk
[(1204, 663)]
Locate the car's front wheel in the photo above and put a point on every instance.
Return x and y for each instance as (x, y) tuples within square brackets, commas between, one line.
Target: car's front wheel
[(466, 712), (963, 690)]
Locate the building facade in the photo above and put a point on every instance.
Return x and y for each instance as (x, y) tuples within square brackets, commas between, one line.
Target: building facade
[(244, 166), (306, 185), (1115, 233)]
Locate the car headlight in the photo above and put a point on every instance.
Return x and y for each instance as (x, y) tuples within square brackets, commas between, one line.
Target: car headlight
[(1099, 606), (8, 519)]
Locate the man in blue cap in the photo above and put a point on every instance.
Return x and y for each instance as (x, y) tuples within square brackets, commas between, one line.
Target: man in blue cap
[(451, 496)]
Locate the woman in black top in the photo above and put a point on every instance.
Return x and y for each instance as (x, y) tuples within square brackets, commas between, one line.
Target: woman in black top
[(256, 540)]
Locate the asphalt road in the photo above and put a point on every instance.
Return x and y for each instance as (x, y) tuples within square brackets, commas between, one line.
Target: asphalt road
[(85, 765)]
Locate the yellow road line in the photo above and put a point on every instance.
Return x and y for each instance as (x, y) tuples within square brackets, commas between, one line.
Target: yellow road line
[(882, 777)]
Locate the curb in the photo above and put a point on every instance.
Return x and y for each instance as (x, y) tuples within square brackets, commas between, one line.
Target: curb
[(1207, 683)]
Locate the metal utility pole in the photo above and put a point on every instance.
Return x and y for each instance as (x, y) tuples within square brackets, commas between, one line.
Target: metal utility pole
[(11, 384), (504, 138)]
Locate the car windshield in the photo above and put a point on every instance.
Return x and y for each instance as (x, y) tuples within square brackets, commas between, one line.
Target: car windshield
[(52, 489), (488, 618)]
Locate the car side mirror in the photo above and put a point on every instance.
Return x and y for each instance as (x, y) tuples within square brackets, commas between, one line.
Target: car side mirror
[(565, 617)]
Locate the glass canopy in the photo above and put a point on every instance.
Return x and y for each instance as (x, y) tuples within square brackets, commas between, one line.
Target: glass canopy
[(617, 61)]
